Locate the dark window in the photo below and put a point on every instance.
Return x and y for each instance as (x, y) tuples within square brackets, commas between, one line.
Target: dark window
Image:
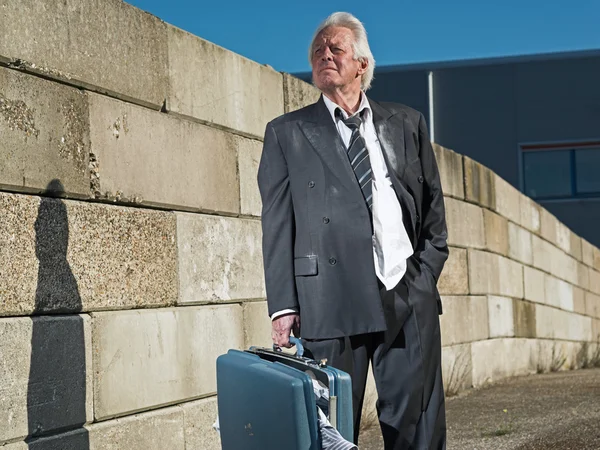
[(550, 173)]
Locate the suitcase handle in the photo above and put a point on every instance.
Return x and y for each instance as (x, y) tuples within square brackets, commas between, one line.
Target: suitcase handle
[(294, 341)]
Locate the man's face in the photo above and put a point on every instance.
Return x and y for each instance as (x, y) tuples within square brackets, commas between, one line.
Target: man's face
[(332, 60)]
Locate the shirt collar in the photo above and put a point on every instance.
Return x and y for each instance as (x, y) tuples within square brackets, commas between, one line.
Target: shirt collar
[(364, 105)]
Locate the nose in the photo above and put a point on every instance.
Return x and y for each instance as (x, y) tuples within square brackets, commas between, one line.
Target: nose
[(327, 55)]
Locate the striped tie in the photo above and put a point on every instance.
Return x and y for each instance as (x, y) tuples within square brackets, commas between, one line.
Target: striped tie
[(359, 157)]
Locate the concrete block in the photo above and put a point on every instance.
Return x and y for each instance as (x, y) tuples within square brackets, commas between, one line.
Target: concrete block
[(70, 256), (257, 325), (596, 253), (220, 258), (596, 331), (198, 417), (579, 301), (534, 288), (558, 293), (455, 277), (519, 244), (594, 278), (500, 315), (583, 276), (450, 166), (153, 159), (479, 183), (465, 224), (592, 305), (553, 355), (149, 358), (369, 411), (44, 135), (524, 319), (457, 368), (45, 374), (575, 246), (552, 323), (508, 200), (108, 46), (563, 237), (530, 214), (548, 226), (587, 253), (297, 93), (494, 274), (155, 430), (495, 359), (210, 83), (249, 152), (496, 232), (465, 319), (72, 440), (551, 259)]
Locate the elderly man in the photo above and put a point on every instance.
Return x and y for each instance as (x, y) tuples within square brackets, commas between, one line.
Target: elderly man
[(354, 238)]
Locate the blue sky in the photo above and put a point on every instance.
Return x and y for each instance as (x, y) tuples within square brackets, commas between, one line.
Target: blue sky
[(400, 32)]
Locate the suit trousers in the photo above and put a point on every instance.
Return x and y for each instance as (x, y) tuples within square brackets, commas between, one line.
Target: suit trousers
[(398, 371)]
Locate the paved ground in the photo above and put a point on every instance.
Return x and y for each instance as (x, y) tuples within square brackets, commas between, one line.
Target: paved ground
[(558, 411)]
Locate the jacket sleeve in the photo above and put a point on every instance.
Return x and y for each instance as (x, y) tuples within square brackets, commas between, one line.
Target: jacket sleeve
[(432, 247), (277, 225)]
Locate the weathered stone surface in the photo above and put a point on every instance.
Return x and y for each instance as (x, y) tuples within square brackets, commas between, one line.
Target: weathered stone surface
[(558, 293), (73, 256), (220, 258), (479, 183), (496, 232), (548, 226), (249, 152), (155, 430), (198, 418), (594, 278), (457, 368), (257, 325), (215, 85), (551, 259), (450, 166), (500, 314), (563, 237), (575, 245), (154, 159), (508, 200), (583, 276), (552, 356), (596, 253), (494, 274), (149, 358), (465, 224), (45, 368), (369, 410), (552, 323), (465, 319), (592, 305), (107, 46), (297, 93), (587, 253), (455, 277), (530, 214), (596, 331), (44, 135), (519, 244), (495, 359), (534, 285), (579, 300), (524, 319)]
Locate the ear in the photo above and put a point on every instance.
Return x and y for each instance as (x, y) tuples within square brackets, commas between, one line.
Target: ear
[(363, 65)]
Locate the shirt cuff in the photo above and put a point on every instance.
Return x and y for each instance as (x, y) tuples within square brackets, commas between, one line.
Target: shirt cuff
[(284, 312)]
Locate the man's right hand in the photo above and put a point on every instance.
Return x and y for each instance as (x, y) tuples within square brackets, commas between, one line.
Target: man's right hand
[(282, 326)]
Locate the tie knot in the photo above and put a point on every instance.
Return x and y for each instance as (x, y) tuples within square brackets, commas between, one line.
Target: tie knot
[(352, 122)]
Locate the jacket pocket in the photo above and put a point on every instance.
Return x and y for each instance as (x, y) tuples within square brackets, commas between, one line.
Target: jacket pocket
[(306, 266)]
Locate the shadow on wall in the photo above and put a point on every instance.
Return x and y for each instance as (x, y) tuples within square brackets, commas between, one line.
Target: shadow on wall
[(56, 395)]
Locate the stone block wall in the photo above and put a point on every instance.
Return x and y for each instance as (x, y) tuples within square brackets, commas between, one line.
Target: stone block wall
[(130, 253)]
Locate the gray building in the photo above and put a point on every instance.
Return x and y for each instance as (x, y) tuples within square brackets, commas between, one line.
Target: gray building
[(534, 120)]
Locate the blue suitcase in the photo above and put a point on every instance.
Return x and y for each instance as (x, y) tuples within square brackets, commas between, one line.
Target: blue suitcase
[(266, 400)]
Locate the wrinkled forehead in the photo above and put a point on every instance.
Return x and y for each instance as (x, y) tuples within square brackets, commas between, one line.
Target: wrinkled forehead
[(334, 35)]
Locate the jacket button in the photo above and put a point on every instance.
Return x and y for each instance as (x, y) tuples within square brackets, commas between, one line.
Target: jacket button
[(418, 218), (311, 184), (420, 179), (332, 261), (325, 219)]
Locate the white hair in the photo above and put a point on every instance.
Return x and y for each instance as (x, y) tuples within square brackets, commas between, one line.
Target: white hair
[(362, 51)]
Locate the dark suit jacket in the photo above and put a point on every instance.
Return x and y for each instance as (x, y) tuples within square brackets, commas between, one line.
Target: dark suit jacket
[(317, 233)]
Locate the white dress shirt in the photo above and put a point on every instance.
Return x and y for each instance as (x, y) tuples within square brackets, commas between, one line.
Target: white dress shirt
[(391, 244)]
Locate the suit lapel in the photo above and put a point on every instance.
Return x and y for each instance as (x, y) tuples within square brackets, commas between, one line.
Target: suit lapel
[(390, 132), (321, 132)]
